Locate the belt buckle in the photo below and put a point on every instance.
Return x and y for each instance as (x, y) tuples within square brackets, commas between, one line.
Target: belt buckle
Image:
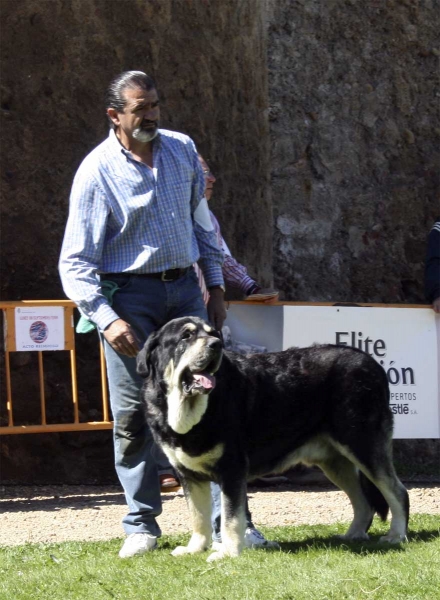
[(164, 276)]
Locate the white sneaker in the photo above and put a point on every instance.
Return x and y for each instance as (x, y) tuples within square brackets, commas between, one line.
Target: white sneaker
[(137, 543), (255, 539)]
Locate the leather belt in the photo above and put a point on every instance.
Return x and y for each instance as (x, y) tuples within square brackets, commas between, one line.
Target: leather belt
[(169, 275)]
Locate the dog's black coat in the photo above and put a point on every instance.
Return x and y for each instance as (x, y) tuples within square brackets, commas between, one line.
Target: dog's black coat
[(324, 405)]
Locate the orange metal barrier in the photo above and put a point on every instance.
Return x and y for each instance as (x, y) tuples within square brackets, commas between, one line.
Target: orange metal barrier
[(9, 310)]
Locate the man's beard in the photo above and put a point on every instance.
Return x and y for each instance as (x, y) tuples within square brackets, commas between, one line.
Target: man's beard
[(145, 135)]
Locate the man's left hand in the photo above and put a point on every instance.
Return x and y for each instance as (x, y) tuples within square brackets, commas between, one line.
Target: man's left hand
[(216, 308)]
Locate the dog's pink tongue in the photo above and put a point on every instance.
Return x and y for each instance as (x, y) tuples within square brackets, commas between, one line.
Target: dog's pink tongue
[(204, 380)]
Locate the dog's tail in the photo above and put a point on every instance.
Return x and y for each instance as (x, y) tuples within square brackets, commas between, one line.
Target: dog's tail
[(374, 496)]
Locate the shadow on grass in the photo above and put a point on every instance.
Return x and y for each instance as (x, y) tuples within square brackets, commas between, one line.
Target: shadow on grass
[(372, 546)]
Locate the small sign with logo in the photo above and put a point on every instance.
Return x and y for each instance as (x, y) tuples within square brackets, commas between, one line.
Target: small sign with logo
[(39, 328)]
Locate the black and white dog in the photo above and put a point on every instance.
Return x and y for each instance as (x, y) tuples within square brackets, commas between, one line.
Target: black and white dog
[(222, 417)]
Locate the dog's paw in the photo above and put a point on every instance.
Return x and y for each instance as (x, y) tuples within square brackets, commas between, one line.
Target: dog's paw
[(195, 546), (217, 546), (218, 555), (221, 552), (181, 550), (393, 538)]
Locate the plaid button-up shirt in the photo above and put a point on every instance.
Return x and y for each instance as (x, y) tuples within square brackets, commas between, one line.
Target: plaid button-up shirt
[(127, 218)]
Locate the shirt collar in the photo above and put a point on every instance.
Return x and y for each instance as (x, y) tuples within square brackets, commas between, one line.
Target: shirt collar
[(118, 147)]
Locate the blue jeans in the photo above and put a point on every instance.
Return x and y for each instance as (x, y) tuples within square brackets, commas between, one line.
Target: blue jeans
[(147, 304)]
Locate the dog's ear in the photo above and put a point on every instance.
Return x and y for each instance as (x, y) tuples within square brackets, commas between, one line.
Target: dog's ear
[(143, 359)]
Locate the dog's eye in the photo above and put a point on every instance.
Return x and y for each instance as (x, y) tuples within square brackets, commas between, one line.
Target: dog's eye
[(187, 334)]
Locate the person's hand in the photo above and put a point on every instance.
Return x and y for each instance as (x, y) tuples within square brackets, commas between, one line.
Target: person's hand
[(122, 338), (272, 299), (216, 308), (265, 295), (436, 305)]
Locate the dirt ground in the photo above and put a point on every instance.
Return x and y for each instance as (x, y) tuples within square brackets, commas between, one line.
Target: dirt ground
[(67, 513)]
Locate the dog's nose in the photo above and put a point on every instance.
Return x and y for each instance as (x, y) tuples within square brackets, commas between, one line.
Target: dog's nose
[(214, 343)]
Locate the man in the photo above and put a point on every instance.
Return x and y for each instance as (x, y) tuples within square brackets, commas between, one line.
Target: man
[(131, 238), (234, 273)]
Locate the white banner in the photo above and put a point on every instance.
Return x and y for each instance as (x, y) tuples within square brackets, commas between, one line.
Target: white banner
[(39, 328), (403, 340)]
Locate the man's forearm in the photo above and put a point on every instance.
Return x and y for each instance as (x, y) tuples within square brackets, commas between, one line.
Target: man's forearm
[(211, 257)]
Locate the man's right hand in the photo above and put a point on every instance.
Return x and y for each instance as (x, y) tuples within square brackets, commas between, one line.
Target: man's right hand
[(122, 338)]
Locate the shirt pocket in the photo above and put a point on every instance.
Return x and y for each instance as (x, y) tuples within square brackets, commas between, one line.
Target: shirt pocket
[(179, 198)]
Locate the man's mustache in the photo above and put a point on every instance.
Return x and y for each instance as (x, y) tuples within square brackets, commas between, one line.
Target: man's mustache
[(149, 124)]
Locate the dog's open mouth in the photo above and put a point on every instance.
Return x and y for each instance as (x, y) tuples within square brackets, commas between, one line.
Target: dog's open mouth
[(197, 383)]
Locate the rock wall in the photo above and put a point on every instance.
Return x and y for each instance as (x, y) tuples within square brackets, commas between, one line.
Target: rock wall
[(354, 122)]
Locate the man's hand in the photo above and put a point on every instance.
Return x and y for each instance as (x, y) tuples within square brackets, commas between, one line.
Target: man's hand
[(265, 295), (216, 307), (436, 305), (122, 338)]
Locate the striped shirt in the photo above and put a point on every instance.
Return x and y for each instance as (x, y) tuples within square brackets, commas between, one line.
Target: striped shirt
[(127, 218), (234, 273)]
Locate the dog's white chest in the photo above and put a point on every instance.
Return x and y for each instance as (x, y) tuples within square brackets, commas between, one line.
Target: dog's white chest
[(199, 464)]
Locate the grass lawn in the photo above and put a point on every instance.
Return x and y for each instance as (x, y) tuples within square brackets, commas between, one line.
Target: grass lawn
[(312, 564)]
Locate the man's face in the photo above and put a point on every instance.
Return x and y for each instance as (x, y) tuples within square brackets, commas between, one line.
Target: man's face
[(209, 178), (140, 119)]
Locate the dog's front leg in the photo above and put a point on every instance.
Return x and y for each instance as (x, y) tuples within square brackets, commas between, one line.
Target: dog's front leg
[(198, 497), (233, 520)]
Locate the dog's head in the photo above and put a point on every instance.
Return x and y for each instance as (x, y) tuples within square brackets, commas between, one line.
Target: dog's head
[(185, 354)]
